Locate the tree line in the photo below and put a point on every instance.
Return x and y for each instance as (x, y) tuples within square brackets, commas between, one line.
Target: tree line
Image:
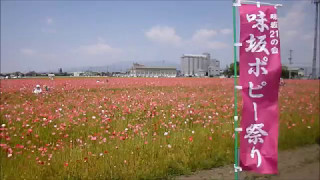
[(229, 71)]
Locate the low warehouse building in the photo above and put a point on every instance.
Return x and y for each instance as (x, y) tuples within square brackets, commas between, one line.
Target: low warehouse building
[(139, 70)]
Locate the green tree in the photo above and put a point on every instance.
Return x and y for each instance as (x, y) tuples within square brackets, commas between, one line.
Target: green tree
[(229, 71), (284, 72)]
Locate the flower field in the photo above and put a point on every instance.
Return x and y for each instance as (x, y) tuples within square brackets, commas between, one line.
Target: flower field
[(133, 128)]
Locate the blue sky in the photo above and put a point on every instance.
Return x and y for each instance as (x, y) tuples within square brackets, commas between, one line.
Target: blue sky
[(46, 35)]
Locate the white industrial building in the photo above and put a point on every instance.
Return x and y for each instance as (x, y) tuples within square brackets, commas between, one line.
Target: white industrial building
[(77, 74), (199, 65), (139, 70)]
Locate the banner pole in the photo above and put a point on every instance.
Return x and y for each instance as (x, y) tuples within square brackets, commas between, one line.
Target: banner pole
[(236, 174)]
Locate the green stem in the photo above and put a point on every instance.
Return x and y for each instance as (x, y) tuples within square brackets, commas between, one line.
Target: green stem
[(236, 174)]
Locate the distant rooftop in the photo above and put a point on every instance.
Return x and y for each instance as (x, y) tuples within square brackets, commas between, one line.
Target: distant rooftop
[(155, 68), (141, 66), (194, 55)]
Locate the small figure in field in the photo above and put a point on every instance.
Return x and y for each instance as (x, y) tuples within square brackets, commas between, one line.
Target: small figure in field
[(282, 83), (51, 76), (46, 87), (37, 90)]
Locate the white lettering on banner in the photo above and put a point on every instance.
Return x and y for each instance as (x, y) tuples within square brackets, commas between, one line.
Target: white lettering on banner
[(274, 50), (272, 33), (256, 151), (255, 133), (274, 42), (255, 108), (274, 25), (273, 16), (251, 88), (264, 25), (260, 25), (256, 71), (257, 47)]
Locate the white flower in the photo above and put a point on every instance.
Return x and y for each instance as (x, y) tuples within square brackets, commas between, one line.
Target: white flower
[(126, 129), (169, 146), (165, 133), (93, 117), (192, 132), (308, 127), (3, 125)]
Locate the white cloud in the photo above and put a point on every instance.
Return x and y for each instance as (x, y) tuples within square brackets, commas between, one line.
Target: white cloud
[(291, 33), (163, 34), (226, 31), (101, 40), (293, 22), (296, 33), (294, 17), (98, 49), (216, 45), (308, 36), (48, 30), (49, 21), (204, 34), (204, 38), (201, 39), (27, 51)]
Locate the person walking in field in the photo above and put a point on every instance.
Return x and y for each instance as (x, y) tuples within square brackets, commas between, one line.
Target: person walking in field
[(45, 87), (282, 83), (37, 90)]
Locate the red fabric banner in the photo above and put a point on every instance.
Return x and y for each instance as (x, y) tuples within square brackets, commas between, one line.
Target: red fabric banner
[(260, 70)]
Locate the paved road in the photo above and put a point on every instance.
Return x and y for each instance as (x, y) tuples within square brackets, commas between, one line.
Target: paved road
[(298, 164)]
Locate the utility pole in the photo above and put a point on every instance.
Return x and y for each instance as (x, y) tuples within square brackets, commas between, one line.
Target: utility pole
[(290, 62), (314, 60)]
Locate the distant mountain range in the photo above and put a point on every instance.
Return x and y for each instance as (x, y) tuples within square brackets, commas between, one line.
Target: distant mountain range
[(120, 66)]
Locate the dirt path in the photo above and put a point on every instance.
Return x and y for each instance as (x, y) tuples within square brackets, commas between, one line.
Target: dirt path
[(298, 164)]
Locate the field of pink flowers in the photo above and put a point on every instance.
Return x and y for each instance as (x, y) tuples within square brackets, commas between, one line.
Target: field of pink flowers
[(133, 128)]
